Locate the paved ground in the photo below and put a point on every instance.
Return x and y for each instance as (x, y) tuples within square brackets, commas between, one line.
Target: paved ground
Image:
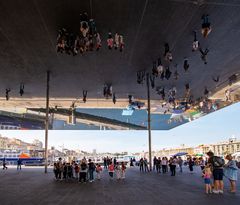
[(32, 186)]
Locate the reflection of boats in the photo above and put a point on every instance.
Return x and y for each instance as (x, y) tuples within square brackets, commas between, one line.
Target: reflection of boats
[(13, 157)]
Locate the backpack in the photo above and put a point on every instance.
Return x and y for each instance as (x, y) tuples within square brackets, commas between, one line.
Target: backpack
[(218, 161)]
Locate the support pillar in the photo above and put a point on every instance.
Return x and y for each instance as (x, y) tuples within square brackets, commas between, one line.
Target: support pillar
[(47, 122), (149, 124)]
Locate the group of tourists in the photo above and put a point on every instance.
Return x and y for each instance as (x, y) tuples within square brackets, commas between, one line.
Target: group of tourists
[(216, 169), (87, 171), (213, 169)]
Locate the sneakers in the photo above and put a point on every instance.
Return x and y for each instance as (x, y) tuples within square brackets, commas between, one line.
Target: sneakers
[(215, 191), (220, 191)]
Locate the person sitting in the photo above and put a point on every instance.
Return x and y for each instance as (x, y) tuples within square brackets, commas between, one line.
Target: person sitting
[(206, 26)]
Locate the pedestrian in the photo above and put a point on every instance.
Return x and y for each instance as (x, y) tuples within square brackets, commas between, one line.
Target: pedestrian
[(207, 179), (19, 164), (180, 163), (164, 165), (123, 170), (4, 164), (158, 165), (98, 171), (141, 164), (76, 170), (91, 169), (111, 170), (216, 164), (83, 171), (190, 164), (231, 172), (145, 165), (154, 163), (55, 170), (118, 171), (131, 162)]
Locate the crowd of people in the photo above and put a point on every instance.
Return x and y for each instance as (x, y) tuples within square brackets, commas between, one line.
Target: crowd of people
[(213, 168), (88, 171)]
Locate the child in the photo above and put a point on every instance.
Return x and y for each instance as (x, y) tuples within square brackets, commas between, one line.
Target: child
[(118, 171), (98, 170), (123, 170), (207, 179), (111, 170)]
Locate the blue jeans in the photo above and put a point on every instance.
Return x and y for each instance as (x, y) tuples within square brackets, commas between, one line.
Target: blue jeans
[(91, 175)]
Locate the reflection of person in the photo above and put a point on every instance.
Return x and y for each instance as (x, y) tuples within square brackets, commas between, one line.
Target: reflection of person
[(19, 164), (230, 172)]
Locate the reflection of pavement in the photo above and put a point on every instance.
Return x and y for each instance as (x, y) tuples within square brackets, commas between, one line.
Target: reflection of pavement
[(32, 186)]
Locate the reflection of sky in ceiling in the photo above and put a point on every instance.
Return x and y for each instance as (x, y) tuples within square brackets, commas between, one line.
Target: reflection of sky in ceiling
[(139, 117)]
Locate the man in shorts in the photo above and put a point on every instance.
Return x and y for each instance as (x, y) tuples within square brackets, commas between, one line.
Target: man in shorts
[(216, 164)]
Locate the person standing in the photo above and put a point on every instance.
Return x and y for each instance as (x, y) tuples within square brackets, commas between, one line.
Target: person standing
[(83, 171), (19, 164), (164, 165), (207, 179), (4, 163), (190, 164), (98, 170), (231, 172), (123, 170), (216, 164), (118, 171), (111, 170), (180, 163), (154, 163), (105, 162), (141, 164), (174, 165), (145, 162), (158, 165), (91, 169)]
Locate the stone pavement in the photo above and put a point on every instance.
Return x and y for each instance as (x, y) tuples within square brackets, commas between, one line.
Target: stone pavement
[(31, 186)]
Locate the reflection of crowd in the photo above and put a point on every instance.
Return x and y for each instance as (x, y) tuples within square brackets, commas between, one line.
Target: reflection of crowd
[(88, 39)]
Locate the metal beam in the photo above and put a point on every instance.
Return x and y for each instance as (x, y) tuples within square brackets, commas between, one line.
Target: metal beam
[(93, 118), (149, 124), (47, 121)]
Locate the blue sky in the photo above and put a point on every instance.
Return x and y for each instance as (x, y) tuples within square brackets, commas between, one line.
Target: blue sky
[(215, 127)]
